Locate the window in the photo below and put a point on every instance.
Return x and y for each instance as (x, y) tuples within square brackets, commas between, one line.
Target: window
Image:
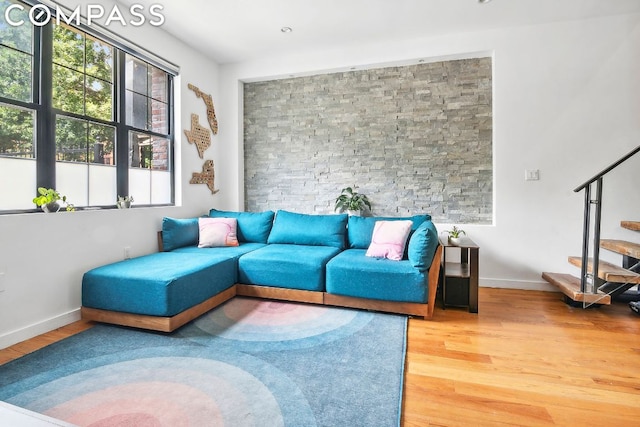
[(147, 104), (16, 57), (17, 114), (82, 115)]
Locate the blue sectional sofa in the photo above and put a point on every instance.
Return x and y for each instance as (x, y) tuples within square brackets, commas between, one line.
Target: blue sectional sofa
[(289, 256)]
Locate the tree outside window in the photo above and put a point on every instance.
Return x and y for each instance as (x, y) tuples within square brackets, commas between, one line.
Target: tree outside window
[(89, 116)]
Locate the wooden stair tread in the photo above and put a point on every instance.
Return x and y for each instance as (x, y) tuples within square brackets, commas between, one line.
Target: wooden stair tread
[(608, 272), (630, 225), (621, 247), (570, 286)]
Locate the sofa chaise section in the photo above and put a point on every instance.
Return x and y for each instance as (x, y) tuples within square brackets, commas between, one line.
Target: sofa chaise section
[(165, 290), (160, 291)]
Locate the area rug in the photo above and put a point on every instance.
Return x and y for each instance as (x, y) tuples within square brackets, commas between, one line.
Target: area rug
[(249, 362)]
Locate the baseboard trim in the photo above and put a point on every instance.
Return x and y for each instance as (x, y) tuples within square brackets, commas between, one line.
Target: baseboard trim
[(527, 285), (39, 328)]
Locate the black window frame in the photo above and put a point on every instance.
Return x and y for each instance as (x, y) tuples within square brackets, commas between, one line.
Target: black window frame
[(45, 113)]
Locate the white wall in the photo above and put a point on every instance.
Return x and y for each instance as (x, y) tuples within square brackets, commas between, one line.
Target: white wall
[(43, 256), (566, 102)]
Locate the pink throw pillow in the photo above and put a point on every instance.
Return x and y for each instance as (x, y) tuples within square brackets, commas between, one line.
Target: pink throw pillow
[(389, 239), (216, 232)]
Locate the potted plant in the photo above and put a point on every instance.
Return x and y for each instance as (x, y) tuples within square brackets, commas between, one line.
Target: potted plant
[(352, 202), (49, 198), (455, 235), (124, 202)]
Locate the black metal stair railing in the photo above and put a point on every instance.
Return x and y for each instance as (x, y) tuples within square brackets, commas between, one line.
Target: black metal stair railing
[(595, 202)]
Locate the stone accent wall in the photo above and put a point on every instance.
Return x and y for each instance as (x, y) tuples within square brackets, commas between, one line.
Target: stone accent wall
[(414, 139)]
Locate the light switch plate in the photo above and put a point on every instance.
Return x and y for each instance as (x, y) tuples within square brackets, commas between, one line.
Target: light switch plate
[(531, 175)]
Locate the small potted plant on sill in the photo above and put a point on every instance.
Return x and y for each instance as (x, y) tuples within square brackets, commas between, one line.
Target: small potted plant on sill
[(455, 235), (124, 202), (352, 202), (49, 199)]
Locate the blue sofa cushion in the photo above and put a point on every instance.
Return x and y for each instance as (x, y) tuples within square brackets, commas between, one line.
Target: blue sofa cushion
[(360, 228), (177, 233), (422, 246), (286, 266), (226, 251), (159, 284), (353, 274), (253, 227), (313, 230)]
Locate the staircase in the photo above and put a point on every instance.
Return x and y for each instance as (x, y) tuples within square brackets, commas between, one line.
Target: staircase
[(599, 281), (612, 280)]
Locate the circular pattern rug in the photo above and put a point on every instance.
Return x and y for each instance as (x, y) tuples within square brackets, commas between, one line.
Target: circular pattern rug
[(246, 363), (258, 325)]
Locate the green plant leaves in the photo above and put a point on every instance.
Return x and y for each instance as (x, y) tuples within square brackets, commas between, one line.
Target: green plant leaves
[(350, 200)]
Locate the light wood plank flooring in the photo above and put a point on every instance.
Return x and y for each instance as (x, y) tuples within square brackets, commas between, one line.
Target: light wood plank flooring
[(526, 359)]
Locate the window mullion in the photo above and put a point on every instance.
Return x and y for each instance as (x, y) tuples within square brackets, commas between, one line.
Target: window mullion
[(171, 132), (45, 126), (122, 134)]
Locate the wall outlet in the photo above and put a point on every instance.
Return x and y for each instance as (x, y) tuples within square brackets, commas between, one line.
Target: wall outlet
[(127, 252), (2, 285), (531, 175)]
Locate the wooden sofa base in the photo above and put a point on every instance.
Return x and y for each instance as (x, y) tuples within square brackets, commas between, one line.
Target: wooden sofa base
[(157, 323), (169, 324), (284, 294), (323, 298), (410, 308)]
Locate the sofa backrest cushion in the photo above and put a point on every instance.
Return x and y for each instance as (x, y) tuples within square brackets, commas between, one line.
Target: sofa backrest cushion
[(422, 246), (177, 233), (313, 230), (253, 227), (360, 228)]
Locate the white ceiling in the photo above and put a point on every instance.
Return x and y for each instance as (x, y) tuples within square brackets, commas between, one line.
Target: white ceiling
[(241, 30)]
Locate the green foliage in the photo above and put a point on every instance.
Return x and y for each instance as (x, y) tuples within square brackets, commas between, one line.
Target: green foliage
[(16, 132), (16, 47), (81, 141), (82, 84), (15, 74), (350, 200), (46, 196), (50, 195), (455, 232), (19, 38), (82, 74)]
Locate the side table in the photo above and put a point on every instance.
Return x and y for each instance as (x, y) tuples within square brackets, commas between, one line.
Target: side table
[(460, 279)]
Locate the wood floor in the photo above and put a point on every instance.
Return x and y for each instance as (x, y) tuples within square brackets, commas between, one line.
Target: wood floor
[(526, 359)]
